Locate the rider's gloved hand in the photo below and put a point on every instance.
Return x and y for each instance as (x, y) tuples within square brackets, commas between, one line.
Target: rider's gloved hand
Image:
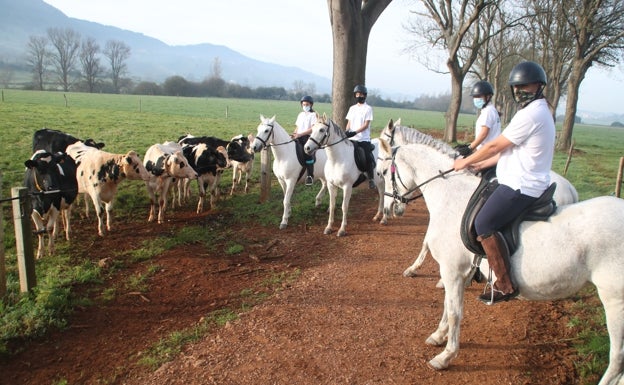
[(463, 149), (350, 134)]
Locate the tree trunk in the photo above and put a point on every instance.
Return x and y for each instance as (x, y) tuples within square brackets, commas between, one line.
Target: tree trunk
[(457, 79), (351, 22), (574, 83)]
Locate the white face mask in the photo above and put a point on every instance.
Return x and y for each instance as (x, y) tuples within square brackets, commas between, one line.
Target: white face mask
[(306, 108)]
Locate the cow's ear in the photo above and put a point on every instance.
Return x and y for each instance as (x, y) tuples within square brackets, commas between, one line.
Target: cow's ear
[(128, 160), (30, 164)]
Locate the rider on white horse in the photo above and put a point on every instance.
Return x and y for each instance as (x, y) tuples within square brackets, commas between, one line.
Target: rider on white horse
[(523, 156), (303, 129), (359, 118)]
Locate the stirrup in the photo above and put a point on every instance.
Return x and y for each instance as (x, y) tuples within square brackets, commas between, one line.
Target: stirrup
[(489, 298)]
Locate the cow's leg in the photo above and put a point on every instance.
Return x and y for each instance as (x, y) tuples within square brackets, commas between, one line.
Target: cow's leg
[(39, 230), (235, 170), (109, 215), (201, 183), (53, 217), (152, 197), (346, 197), (66, 217), (162, 201)]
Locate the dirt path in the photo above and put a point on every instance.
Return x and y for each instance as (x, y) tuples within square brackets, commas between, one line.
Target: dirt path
[(349, 318)]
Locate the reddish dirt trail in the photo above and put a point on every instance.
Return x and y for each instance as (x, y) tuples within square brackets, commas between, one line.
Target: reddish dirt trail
[(349, 318)]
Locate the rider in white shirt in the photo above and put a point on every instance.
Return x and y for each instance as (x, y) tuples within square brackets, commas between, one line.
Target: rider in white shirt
[(359, 118), (303, 128)]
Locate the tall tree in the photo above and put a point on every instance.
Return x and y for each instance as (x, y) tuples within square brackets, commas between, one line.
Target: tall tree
[(351, 22), (117, 53), (90, 61), (37, 58), (597, 29), (66, 43), (454, 26)]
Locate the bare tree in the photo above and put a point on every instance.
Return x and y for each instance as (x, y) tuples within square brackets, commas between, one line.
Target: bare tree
[(37, 58), (453, 25), (597, 28), (351, 22), (117, 53), (90, 61), (66, 43)]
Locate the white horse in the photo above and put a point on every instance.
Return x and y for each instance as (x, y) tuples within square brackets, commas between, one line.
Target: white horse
[(286, 166), (398, 135), (555, 258), (340, 170)]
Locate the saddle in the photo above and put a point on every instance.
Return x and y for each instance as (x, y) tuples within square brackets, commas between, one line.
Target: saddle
[(360, 154), (303, 158), (540, 210)]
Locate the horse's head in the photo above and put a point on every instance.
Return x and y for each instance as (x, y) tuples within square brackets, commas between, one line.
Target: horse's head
[(394, 205), (389, 131), (319, 135), (264, 133)]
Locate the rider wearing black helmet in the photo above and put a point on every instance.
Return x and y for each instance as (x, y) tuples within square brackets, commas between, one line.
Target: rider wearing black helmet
[(488, 125), (359, 118), (523, 156), (303, 129)]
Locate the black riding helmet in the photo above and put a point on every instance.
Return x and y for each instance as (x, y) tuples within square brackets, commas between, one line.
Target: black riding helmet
[(308, 99), (527, 72), (361, 89), (482, 88)]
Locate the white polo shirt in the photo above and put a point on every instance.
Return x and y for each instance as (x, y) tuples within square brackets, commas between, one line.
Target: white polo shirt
[(490, 118), (304, 121), (357, 115), (526, 165)]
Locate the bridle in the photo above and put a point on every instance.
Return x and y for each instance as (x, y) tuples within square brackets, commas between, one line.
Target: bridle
[(394, 175), (323, 142), (265, 143)]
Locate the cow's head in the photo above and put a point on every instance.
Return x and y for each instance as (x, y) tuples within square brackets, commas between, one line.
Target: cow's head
[(133, 168)]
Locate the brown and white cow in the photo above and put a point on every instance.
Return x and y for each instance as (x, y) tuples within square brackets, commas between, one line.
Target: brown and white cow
[(99, 174), (164, 162), (242, 166)]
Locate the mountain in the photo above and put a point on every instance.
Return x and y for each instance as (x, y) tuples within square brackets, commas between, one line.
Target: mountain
[(150, 59)]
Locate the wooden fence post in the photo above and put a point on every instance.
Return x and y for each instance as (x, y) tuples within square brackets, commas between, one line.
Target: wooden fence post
[(23, 238), (2, 257), (618, 183), (265, 175)]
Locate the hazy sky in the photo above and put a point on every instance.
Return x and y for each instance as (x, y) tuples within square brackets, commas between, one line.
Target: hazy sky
[(297, 33)]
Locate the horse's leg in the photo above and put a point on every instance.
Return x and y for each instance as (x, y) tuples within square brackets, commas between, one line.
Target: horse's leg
[(453, 309), (288, 187), (411, 271), (380, 206), (346, 197), (319, 197), (613, 303), (333, 191)]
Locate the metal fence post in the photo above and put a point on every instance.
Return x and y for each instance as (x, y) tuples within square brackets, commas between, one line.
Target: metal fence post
[(23, 238)]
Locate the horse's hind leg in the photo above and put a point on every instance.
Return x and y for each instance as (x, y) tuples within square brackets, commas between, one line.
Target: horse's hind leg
[(614, 311), (333, 191)]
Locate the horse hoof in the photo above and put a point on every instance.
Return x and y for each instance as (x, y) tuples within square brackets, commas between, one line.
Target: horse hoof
[(432, 341), (283, 226), (327, 231), (408, 273), (341, 233), (440, 284), (436, 365)]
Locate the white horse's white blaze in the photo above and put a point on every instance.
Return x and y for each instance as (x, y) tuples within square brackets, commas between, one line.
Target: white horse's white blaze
[(400, 135), (286, 167), (556, 258), (341, 170)]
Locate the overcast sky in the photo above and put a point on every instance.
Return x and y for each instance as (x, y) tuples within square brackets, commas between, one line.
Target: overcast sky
[(297, 33)]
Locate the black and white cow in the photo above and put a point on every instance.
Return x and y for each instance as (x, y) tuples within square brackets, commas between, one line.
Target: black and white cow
[(164, 162), (209, 163), (54, 141), (46, 178), (99, 174), (244, 165)]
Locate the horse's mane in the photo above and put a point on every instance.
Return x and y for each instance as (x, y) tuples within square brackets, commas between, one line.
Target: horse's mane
[(337, 130), (412, 135)]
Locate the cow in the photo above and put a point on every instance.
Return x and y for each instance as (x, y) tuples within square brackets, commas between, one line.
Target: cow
[(54, 141), (47, 176), (209, 164), (99, 174), (164, 162), (242, 166)]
